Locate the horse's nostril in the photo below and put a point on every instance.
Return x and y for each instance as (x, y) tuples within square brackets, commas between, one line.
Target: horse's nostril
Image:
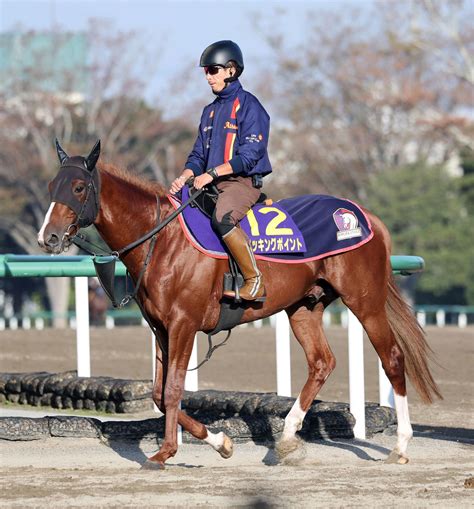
[(53, 240)]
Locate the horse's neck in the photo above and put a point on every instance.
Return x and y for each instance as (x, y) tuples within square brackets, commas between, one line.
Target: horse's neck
[(126, 213)]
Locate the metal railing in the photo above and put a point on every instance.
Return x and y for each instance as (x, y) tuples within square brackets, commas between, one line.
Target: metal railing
[(81, 267)]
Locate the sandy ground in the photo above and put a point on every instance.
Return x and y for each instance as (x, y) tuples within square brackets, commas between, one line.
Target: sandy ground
[(70, 473), (88, 473), (247, 363)]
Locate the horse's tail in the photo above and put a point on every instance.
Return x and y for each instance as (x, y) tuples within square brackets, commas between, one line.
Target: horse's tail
[(410, 337)]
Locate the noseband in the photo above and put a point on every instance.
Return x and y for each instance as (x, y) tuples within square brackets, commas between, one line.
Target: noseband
[(61, 192)]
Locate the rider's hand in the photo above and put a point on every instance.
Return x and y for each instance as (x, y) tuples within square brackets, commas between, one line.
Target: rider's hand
[(177, 184), (202, 181)]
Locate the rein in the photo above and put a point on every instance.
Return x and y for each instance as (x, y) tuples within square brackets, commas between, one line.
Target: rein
[(105, 270), (159, 227)]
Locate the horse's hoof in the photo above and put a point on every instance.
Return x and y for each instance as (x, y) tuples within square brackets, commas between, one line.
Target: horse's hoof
[(285, 447), (153, 465), (396, 457), (227, 448)]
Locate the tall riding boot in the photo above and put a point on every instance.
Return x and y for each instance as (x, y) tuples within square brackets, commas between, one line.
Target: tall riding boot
[(238, 245)]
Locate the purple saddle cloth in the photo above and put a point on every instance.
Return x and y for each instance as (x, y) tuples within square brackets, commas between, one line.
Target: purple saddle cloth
[(293, 230)]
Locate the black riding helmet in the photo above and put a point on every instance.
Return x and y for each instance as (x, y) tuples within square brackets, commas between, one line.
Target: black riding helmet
[(221, 53)]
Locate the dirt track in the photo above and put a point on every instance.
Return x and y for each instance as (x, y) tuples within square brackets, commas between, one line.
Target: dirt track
[(84, 473), (87, 473), (247, 363)]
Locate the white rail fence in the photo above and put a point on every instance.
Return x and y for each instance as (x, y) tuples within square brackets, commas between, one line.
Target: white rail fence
[(441, 316)]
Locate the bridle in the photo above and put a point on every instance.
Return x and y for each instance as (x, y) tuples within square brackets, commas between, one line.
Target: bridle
[(87, 210), (80, 223)]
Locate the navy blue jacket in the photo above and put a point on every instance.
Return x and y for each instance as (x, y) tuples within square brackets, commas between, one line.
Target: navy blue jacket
[(234, 128)]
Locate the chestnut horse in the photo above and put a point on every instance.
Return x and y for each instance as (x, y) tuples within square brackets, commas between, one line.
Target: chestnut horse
[(181, 292)]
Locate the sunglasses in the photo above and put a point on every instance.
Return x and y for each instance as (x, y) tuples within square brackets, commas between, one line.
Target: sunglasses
[(212, 69)]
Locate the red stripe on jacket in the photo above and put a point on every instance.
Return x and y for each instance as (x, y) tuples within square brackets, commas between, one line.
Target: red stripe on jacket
[(230, 138)]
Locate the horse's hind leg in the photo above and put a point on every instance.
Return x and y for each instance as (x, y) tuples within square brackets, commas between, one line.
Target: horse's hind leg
[(307, 327), (393, 362), (373, 316)]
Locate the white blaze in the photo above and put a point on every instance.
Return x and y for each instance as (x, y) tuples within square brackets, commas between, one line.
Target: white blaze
[(45, 223)]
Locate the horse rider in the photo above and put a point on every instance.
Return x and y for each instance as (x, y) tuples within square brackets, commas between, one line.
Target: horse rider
[(231, 151)]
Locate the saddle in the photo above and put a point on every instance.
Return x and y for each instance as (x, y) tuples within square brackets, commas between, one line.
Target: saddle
[(293, 230)]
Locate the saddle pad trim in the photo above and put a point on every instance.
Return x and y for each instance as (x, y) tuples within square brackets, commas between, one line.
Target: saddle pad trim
[(176, 203)]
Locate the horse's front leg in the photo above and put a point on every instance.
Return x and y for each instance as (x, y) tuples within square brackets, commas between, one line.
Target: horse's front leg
[(219, 441), (175, 373), (172, 375)]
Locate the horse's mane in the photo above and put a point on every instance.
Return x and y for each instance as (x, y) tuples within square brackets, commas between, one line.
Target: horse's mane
[(146, 185)]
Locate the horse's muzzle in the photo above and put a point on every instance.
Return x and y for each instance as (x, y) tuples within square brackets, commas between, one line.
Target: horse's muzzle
[(53, 244), (52, 241)]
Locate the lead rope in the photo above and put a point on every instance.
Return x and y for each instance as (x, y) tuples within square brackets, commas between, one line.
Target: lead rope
[(211, 349)]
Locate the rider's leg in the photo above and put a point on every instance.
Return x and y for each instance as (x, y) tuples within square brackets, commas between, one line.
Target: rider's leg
[(239, 247), (237, 195)]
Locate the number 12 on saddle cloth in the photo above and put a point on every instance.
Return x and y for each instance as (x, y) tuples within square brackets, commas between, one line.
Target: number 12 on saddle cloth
[(292, 230)]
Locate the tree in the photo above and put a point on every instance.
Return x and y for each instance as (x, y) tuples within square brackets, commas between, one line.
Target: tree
[(361, 98), (467, 194), (425, 214), (443, 29), (78, 87)]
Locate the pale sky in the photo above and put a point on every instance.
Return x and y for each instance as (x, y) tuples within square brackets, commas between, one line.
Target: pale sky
[(179, 30)]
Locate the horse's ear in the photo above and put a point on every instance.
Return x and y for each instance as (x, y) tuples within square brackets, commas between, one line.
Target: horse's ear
[(61, 153), (93, 156)]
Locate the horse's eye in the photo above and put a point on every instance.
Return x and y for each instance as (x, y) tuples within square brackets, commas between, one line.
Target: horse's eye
[(78, 189)]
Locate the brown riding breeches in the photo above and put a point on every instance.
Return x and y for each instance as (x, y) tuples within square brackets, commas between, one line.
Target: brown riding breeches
[(236, 197)]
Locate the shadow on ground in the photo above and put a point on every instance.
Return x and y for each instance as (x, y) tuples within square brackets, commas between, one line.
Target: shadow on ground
[(460, 435)]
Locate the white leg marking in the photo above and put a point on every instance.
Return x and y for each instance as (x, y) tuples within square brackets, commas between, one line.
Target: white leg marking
[(215, 440), (45, 223), (404, 429), (293, 421)]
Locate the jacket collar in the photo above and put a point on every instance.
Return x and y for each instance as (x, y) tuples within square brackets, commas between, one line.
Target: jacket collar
[(229, 92)]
